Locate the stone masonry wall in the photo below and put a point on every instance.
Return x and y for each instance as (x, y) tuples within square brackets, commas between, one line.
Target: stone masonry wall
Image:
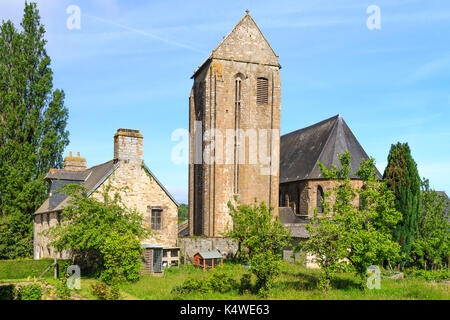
[(190, 246)]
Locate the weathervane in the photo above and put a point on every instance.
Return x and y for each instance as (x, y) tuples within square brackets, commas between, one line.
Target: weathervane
[(247, 11)]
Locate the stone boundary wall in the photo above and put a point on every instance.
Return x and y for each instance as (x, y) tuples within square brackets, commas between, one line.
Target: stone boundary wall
[(190, 246)]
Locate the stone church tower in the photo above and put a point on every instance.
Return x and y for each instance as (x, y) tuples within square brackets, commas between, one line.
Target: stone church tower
[(234, 124)]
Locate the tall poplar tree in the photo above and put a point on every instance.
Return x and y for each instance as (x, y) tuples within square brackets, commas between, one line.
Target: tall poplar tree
[(402, 177), (33, 131)]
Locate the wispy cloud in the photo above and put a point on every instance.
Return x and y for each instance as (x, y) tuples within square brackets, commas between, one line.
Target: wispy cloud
[(429, 69), (145, 33)]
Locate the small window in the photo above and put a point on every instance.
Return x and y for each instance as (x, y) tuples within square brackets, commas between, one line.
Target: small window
[(48, 218), (156, 219), (262, 91), (298, 201), (58, 217), (320, 197)]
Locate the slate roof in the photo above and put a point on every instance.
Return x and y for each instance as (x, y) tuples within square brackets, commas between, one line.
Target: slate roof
[(302, 150), (447, 208), (92, 178)]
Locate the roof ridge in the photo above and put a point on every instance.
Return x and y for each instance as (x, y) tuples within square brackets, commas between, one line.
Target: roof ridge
[(311, 126), (101, 164)]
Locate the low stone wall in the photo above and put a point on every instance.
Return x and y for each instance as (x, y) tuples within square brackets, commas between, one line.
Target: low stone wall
[(190, 246)]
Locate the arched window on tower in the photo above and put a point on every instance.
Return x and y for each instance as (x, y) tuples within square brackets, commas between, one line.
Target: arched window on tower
[(237, 124), (320, 197)]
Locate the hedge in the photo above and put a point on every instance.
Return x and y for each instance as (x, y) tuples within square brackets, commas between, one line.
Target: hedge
[(24, 268)]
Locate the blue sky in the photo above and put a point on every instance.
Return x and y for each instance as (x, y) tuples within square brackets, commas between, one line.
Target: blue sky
[(129, 66)]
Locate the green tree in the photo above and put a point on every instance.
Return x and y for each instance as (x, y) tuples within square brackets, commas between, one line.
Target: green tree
[(100, 225), (262, 237), (33, 131), (430, 248), (358, 233), (402, 177), (183, 212)]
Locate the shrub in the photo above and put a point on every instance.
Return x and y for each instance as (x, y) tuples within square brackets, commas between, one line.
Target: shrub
[(222, 283), (62, 291), (245, 285), (104, 292), (29, 292), (7, 292), (430, 275)]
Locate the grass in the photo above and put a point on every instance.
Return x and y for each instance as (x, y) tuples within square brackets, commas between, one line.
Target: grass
[(294, 283)]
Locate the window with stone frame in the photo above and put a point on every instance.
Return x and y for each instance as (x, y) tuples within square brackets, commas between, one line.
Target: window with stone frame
[(297, 209), (156, 219), (47, 215), (262, 91), (320, 197)]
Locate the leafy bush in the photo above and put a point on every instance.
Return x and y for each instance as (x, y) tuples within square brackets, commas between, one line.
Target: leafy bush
[(430, 275), (62, 291), (121, 258), (104, 292), (29, 292), (222, 283), (7, 292), (245, 285)]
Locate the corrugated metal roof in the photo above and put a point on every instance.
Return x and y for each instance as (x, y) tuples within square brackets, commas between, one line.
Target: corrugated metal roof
[(302, 150)]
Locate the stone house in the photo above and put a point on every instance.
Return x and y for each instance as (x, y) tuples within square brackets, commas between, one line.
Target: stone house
[(127, 169)]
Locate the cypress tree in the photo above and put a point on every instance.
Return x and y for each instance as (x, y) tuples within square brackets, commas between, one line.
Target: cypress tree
[(33, 132), (402, 177)]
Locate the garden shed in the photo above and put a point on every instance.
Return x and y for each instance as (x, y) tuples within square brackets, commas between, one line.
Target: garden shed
[(152, 259), (208, 259)]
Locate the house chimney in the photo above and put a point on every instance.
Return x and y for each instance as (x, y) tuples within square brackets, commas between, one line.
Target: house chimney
[(74, 163), (128, 146)]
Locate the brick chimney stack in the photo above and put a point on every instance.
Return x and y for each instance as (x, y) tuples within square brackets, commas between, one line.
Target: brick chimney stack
[(128, 146), (74, 163)]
